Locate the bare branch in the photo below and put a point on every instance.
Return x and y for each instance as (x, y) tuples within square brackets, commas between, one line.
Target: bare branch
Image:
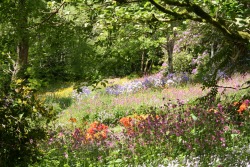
[(229, 87)]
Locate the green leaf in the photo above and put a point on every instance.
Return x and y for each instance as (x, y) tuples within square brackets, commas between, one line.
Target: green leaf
[(20, 116), (193, 131), (194, 117), (146, 4), (118, 161)]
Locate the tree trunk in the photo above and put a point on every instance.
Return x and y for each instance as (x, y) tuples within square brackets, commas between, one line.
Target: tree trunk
[(170, 50), (170, 58), (22, 51), (23, 40), (142, 62)]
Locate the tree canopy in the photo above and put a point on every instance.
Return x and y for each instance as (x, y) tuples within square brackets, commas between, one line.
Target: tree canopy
[(82, 39)]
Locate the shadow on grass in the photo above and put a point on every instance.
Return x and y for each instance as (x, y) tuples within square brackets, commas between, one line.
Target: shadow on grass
[(60, 103)]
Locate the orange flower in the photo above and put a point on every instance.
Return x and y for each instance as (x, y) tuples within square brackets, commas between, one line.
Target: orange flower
[(126, 121), (72, 120), (97, 131), (103, 134), (243, 106), (236, 103), (94, 124), (212, 110), (91, 131), (88, 136)]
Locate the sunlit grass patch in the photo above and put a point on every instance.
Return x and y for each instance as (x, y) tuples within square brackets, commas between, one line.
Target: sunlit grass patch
[(58, 98), (117, 81), (61, 92)]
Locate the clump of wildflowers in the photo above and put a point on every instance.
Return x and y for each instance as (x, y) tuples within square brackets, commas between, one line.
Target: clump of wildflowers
[(97, 131), (115, 90), (94, 133), (154, 81), (81, 93), (133, 123), (243, 106)]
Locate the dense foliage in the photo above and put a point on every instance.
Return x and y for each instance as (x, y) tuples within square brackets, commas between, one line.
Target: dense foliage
[(23, 124), (88, 40), (23, 119)]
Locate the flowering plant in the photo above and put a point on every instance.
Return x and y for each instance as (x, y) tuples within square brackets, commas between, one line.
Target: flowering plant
[(243, 106), (97, 131), (131, 123)]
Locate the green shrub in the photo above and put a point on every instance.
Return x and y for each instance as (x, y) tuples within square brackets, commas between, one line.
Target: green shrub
[(182, 62), (23, 122)]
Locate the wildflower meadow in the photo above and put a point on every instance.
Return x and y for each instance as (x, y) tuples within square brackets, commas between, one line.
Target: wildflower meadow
[(153, 125)]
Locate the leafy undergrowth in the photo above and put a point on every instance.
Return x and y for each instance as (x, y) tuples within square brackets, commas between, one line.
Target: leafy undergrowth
[(150, 128)]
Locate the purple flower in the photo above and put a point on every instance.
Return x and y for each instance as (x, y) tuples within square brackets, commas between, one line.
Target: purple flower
[(220, 107), (170, 76), (83, 91), (184, 77), (221, 74)]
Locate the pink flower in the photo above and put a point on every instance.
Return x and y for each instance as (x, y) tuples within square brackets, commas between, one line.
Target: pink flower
[(220, 107), (194, 71), (50, 141), (60, 134), (164, 64), (226, 128), (66, 155)]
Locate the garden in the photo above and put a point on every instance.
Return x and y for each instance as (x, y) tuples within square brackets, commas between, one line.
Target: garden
[(109, 83), (153, 125)]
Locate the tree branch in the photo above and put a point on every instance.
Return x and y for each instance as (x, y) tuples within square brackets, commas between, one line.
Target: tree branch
[(201, 13), (241, 87), (161, 8), (202, 17), (181, 16), (53, 13), (50, 16), (177, 19), (177, 3)]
